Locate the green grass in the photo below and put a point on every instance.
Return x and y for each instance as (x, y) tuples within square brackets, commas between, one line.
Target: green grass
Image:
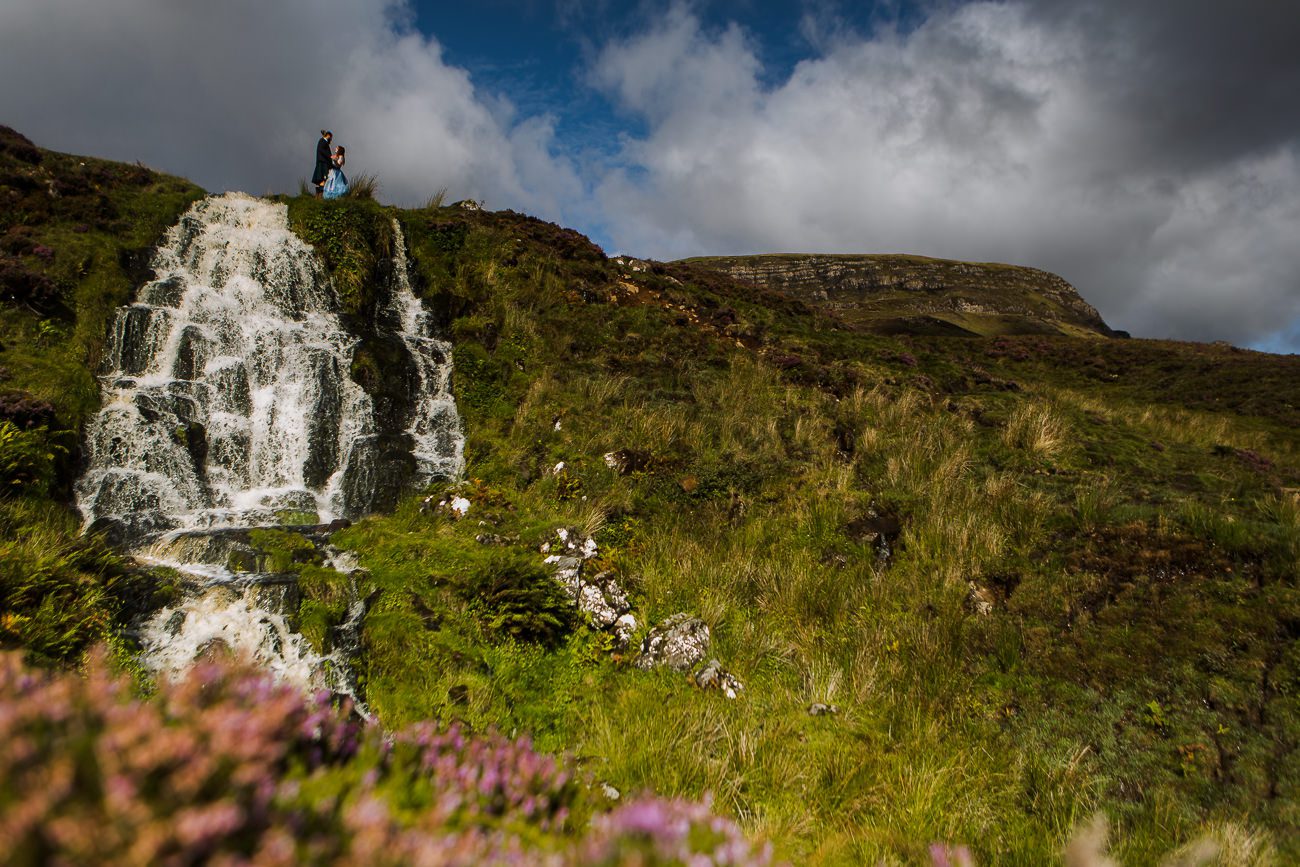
[(1103, 529)]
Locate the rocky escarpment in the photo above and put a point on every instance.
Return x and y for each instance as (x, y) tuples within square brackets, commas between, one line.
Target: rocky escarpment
[(915, 294)]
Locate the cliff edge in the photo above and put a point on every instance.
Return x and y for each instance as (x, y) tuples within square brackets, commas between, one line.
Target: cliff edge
[(898, 294)]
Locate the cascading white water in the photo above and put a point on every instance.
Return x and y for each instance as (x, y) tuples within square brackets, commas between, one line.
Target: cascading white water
[(439, 445), (228, 397), (229, 403)]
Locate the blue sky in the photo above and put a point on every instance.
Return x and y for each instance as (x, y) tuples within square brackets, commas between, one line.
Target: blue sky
[(538, 53), (1147, 152)]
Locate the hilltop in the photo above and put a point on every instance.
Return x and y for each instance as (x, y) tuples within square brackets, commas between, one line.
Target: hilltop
[(894, 294), (974, 588)]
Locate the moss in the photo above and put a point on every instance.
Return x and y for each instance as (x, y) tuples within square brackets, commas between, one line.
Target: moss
[(354, 239)]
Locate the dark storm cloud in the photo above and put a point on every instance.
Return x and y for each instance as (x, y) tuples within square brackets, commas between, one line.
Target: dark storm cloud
[(1202, 80)]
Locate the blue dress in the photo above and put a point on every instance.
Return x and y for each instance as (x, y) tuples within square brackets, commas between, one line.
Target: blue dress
[(336, 184)]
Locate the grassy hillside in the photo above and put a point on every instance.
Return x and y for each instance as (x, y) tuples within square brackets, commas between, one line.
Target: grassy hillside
[(1089, 603), (1036, 576)]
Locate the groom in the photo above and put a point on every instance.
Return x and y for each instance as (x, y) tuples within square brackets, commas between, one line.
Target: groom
[(322, 162)]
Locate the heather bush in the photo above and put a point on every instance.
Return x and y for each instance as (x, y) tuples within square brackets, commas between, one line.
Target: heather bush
[(19, 146), (18, 285), (225, 766), (18, 240), (25, 411)]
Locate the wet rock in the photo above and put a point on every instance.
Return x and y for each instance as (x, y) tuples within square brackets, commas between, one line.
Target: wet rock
[(114, 530), (680, 643), (191, 354), (213, 650), (131, 350), (379, 469), (194, 437), (713, 676), (322, 422), (298, 502), (879, 529), (230, 389), (175, 622), (166, 292)]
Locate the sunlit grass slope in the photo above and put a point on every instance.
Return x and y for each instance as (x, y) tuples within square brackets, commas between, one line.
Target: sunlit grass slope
[(1090, 602)]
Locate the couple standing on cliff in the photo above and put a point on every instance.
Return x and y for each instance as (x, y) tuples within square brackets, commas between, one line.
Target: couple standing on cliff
[(328, 177)]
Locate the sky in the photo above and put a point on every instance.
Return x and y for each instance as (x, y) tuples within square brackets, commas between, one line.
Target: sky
[(1148, 152)]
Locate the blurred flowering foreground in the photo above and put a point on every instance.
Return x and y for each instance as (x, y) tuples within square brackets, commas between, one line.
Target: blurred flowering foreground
[(227, 767)]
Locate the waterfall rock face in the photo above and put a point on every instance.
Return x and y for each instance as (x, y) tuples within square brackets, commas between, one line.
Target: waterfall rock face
[(227, 394), (229, 403)]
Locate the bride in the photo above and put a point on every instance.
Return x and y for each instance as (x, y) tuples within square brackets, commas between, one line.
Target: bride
[(337, 182)]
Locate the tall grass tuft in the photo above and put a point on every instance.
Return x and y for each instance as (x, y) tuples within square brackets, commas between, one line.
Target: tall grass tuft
[(435, 201), (1038, 429), (1226, 844), (363, 186)]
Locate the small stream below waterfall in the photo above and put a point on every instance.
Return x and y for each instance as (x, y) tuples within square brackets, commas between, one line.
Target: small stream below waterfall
[(229, 405)]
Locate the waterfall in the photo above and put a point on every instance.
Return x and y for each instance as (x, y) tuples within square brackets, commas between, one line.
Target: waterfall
[(434, 427), (228, 402)]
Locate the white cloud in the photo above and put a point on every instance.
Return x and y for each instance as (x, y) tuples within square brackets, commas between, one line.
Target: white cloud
[(232, 94), (986, 133)]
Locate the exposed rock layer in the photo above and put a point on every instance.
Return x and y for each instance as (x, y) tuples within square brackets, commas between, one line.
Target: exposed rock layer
[(913, 293)]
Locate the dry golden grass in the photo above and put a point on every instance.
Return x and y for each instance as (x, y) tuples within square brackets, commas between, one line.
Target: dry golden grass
[(1037, 428)]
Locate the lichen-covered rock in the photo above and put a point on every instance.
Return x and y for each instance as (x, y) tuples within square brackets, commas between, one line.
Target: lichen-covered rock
[(598, 596), (681, 642), (979, 600), (713, 676), (456, 506)]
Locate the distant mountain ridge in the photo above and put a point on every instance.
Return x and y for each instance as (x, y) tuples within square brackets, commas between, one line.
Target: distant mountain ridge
[(897, 294)]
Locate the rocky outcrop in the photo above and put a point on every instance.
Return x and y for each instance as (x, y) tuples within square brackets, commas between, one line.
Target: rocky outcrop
[(599, 597), (680, 643), (907, 293)]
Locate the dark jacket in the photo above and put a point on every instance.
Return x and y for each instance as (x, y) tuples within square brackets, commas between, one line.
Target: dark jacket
[(323, 164)]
